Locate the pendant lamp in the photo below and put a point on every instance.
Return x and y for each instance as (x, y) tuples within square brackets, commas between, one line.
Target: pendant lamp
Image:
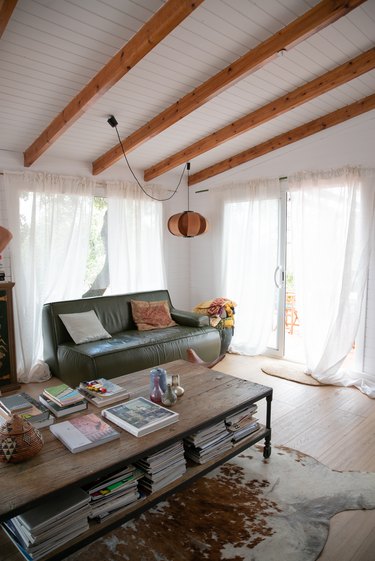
[(187, 224)]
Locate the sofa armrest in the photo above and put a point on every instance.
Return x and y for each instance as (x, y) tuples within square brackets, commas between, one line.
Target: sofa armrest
[(189, 318)]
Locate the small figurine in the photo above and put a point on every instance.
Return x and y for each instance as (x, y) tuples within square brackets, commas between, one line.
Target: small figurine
[(176, 385)]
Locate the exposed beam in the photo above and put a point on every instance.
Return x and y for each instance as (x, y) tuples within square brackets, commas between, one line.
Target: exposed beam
[(321, 15), (167, 18), (332, 79), (6, 10), (284, 139)]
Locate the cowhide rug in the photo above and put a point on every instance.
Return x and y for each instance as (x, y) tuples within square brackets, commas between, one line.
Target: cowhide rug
[(248, 509)]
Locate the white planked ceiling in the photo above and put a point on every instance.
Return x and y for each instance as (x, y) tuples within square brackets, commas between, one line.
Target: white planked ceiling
[(52, 48)]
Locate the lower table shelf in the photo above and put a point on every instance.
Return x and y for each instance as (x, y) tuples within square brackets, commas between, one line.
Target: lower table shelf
[(193, 472)]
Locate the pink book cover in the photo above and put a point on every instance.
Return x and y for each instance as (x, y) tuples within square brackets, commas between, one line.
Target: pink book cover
[(92, 427)]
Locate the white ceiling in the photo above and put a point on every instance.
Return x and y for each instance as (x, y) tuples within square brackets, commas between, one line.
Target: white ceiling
[(52, 48)]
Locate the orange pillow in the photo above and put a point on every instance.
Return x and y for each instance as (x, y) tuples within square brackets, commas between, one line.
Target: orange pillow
[(151, 315)]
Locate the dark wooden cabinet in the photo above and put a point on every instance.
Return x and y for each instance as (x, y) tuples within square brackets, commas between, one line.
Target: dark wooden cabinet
[(8, 372)]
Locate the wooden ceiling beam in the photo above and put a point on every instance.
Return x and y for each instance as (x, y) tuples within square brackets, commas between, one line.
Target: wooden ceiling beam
[(328, 81), (6, 10), (167, 18), (335, 118), (318, 17)]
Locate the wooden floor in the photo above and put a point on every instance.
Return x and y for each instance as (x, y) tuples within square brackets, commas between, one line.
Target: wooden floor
[(334, 425)]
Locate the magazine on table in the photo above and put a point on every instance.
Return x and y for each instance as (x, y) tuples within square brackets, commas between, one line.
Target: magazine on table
[(84, 432), (140, 416)]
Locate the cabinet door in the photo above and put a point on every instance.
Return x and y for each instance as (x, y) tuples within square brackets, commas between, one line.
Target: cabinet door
[(8, 374)]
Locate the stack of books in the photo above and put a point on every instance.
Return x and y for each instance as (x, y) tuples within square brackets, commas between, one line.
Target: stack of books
[(103, 392), (63, 395), (26, 407), (206, 444), (84, 432), (114, 491), (162, 468), (242, 424), (59, 411), (42, 529)]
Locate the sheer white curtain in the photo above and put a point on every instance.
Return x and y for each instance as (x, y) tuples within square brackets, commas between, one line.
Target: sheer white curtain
[(333, 234), (135, 239), (49, 217), (249, 258)]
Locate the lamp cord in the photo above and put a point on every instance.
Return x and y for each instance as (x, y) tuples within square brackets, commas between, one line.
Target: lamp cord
[(187, 165)]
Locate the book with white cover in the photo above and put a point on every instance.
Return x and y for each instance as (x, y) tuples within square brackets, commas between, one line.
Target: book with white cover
[(84, 432), (140, 416)]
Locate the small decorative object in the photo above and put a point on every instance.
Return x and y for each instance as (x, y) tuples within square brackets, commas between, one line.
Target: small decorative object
[(19, 440), (156, 393), (169, 398), (176, 385), (162, 375)]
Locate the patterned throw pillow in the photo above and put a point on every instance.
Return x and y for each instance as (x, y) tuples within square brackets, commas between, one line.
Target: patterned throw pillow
[(151, 315)]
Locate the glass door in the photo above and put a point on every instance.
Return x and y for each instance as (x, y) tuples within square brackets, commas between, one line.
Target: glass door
[(276, 342)]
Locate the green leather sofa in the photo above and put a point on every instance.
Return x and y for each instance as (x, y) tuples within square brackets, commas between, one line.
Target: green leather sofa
[(128, 350)]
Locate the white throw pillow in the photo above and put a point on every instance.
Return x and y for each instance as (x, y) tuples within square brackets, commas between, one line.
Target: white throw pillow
[(84, 327)]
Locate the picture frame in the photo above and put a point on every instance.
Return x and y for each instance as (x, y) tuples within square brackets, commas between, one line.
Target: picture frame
[(8, 370)]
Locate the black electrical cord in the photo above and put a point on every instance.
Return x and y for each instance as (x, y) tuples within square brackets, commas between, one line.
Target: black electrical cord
[(112, 121)]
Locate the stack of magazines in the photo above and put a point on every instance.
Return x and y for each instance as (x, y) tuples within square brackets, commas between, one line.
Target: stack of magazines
[(40, 530), (26, 407), (162, 468), (242, 424), (208, 443), (113, 492)]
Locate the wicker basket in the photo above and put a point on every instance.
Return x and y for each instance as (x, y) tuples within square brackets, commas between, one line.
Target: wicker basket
[(19, 440)]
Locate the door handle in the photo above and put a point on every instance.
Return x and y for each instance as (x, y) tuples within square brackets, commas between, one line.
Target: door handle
[(277, 284)]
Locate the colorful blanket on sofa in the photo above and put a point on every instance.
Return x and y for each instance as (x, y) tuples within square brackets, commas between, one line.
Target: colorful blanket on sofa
[(220, 311)]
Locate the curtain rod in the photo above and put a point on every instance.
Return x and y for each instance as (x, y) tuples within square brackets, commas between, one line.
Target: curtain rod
[(98, 183), (101, 184)]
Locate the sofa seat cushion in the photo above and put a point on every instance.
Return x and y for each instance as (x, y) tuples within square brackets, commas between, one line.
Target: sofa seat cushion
[(124, 352)]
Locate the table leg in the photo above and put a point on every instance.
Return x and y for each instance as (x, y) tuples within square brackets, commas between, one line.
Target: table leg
[(267, 441)]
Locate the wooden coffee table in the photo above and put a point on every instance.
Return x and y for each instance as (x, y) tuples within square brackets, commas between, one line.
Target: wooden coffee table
[(209, 397)]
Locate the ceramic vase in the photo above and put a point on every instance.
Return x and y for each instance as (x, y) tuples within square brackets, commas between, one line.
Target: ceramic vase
[(169, 398), (156, 393)]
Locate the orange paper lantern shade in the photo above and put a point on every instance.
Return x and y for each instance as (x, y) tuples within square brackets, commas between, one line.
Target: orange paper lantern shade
[(187, 224)]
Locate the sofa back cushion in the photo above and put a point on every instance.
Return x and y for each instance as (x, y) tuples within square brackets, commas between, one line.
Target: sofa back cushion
[(151, 315), (84, 327), (114, 313)]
